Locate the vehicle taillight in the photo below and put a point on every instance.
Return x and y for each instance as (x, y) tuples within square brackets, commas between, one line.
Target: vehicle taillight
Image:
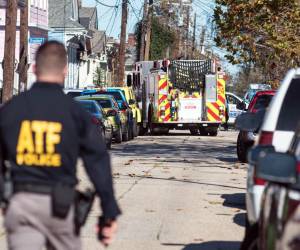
[(221, 111), (265, 138), (259, 181), (95, 120), (298, 167)]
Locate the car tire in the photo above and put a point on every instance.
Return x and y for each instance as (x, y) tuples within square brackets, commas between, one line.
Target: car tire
[(135, 129), (241, 150), (108, 144), (194, 131), (203, 132), (125, 135), (214, 132), (250, 241), (118, 136), (142, 130)]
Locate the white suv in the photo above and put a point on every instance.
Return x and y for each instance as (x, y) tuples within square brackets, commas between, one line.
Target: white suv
[(278, 128)]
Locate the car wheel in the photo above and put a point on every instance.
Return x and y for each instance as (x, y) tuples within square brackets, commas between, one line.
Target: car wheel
[(142, 130), (118, 136), (203, 132), (241, 150), (250, 241), (131, 132), (135, 129), (214, 132), (108, 144), (194, 131), (125, 135)]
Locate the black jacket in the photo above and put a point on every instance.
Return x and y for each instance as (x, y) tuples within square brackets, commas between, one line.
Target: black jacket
[(43, 132)]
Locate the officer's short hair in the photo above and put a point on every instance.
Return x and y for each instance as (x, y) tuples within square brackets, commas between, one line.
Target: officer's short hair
[(51, 57)]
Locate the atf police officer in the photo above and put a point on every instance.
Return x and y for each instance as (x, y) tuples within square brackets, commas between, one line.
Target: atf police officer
[(42, 133)]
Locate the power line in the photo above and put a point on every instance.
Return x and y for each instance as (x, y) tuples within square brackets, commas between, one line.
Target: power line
[(106, 5)]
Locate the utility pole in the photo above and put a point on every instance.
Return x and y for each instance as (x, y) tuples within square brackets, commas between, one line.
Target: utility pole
[(23, 64), (202, 37), (187, 32), (9, 50), (194, 36), (121, 69), (148, 36), (143, 31)]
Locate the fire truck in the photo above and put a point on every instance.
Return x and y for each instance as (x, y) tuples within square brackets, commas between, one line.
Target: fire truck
[(180, 94)]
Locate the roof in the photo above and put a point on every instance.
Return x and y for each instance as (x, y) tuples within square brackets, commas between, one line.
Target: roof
[(60, 15), (87, 11), (88, 15)]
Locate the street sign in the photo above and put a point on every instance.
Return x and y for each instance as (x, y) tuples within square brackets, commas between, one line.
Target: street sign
[(37, 40)]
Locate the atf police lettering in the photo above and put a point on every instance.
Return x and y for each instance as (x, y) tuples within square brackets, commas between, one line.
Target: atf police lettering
[(36, 144)]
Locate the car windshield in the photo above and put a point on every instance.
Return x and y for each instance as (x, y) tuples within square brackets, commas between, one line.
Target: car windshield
[(104, 103), (251, 94), (116, 95), (89, 106), (289, 115), (263, 101), (119, 99)]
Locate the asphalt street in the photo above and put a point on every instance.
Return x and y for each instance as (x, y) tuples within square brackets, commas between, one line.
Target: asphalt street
[(177, 192)]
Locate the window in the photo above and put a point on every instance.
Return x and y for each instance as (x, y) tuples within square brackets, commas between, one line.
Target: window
[(232, 100), (104, 103), (289, 115), (263, 101), (89, 106), (88, 67)]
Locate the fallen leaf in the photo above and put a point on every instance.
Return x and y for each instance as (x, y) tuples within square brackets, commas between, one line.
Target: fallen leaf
[(149, 211), (198, 240), (215, 202)]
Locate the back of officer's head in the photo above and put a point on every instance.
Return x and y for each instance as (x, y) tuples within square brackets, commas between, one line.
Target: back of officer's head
[(51, 62)]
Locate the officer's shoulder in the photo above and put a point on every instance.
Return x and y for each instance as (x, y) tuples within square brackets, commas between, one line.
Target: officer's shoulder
[(13, 103), (75, 106)]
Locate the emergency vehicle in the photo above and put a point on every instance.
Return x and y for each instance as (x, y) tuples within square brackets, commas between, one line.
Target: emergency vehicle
[(181, 94)]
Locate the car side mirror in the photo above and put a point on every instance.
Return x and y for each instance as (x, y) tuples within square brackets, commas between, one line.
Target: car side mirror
[(111, 113), (250, 122), (258, 151), (277, 167), (131, 102)]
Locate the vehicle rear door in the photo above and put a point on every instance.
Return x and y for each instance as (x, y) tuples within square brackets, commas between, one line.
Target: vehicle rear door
[(289, 117)]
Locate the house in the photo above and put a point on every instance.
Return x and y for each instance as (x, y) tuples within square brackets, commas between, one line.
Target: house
[(64, 26), (91, 71), (38, 32)]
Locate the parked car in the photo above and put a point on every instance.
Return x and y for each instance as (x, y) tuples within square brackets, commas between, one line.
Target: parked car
[(132, 101), (112, 111), (277, 130), (123, 106), (99, 118), (246, 139), (279, 218), (234, 104), (253, 88), (73, 92)]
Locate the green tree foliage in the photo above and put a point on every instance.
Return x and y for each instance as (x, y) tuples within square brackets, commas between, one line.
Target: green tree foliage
[(162, 39), (264, 33)]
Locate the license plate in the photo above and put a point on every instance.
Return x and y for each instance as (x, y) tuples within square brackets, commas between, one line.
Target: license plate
[(180, 125)]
